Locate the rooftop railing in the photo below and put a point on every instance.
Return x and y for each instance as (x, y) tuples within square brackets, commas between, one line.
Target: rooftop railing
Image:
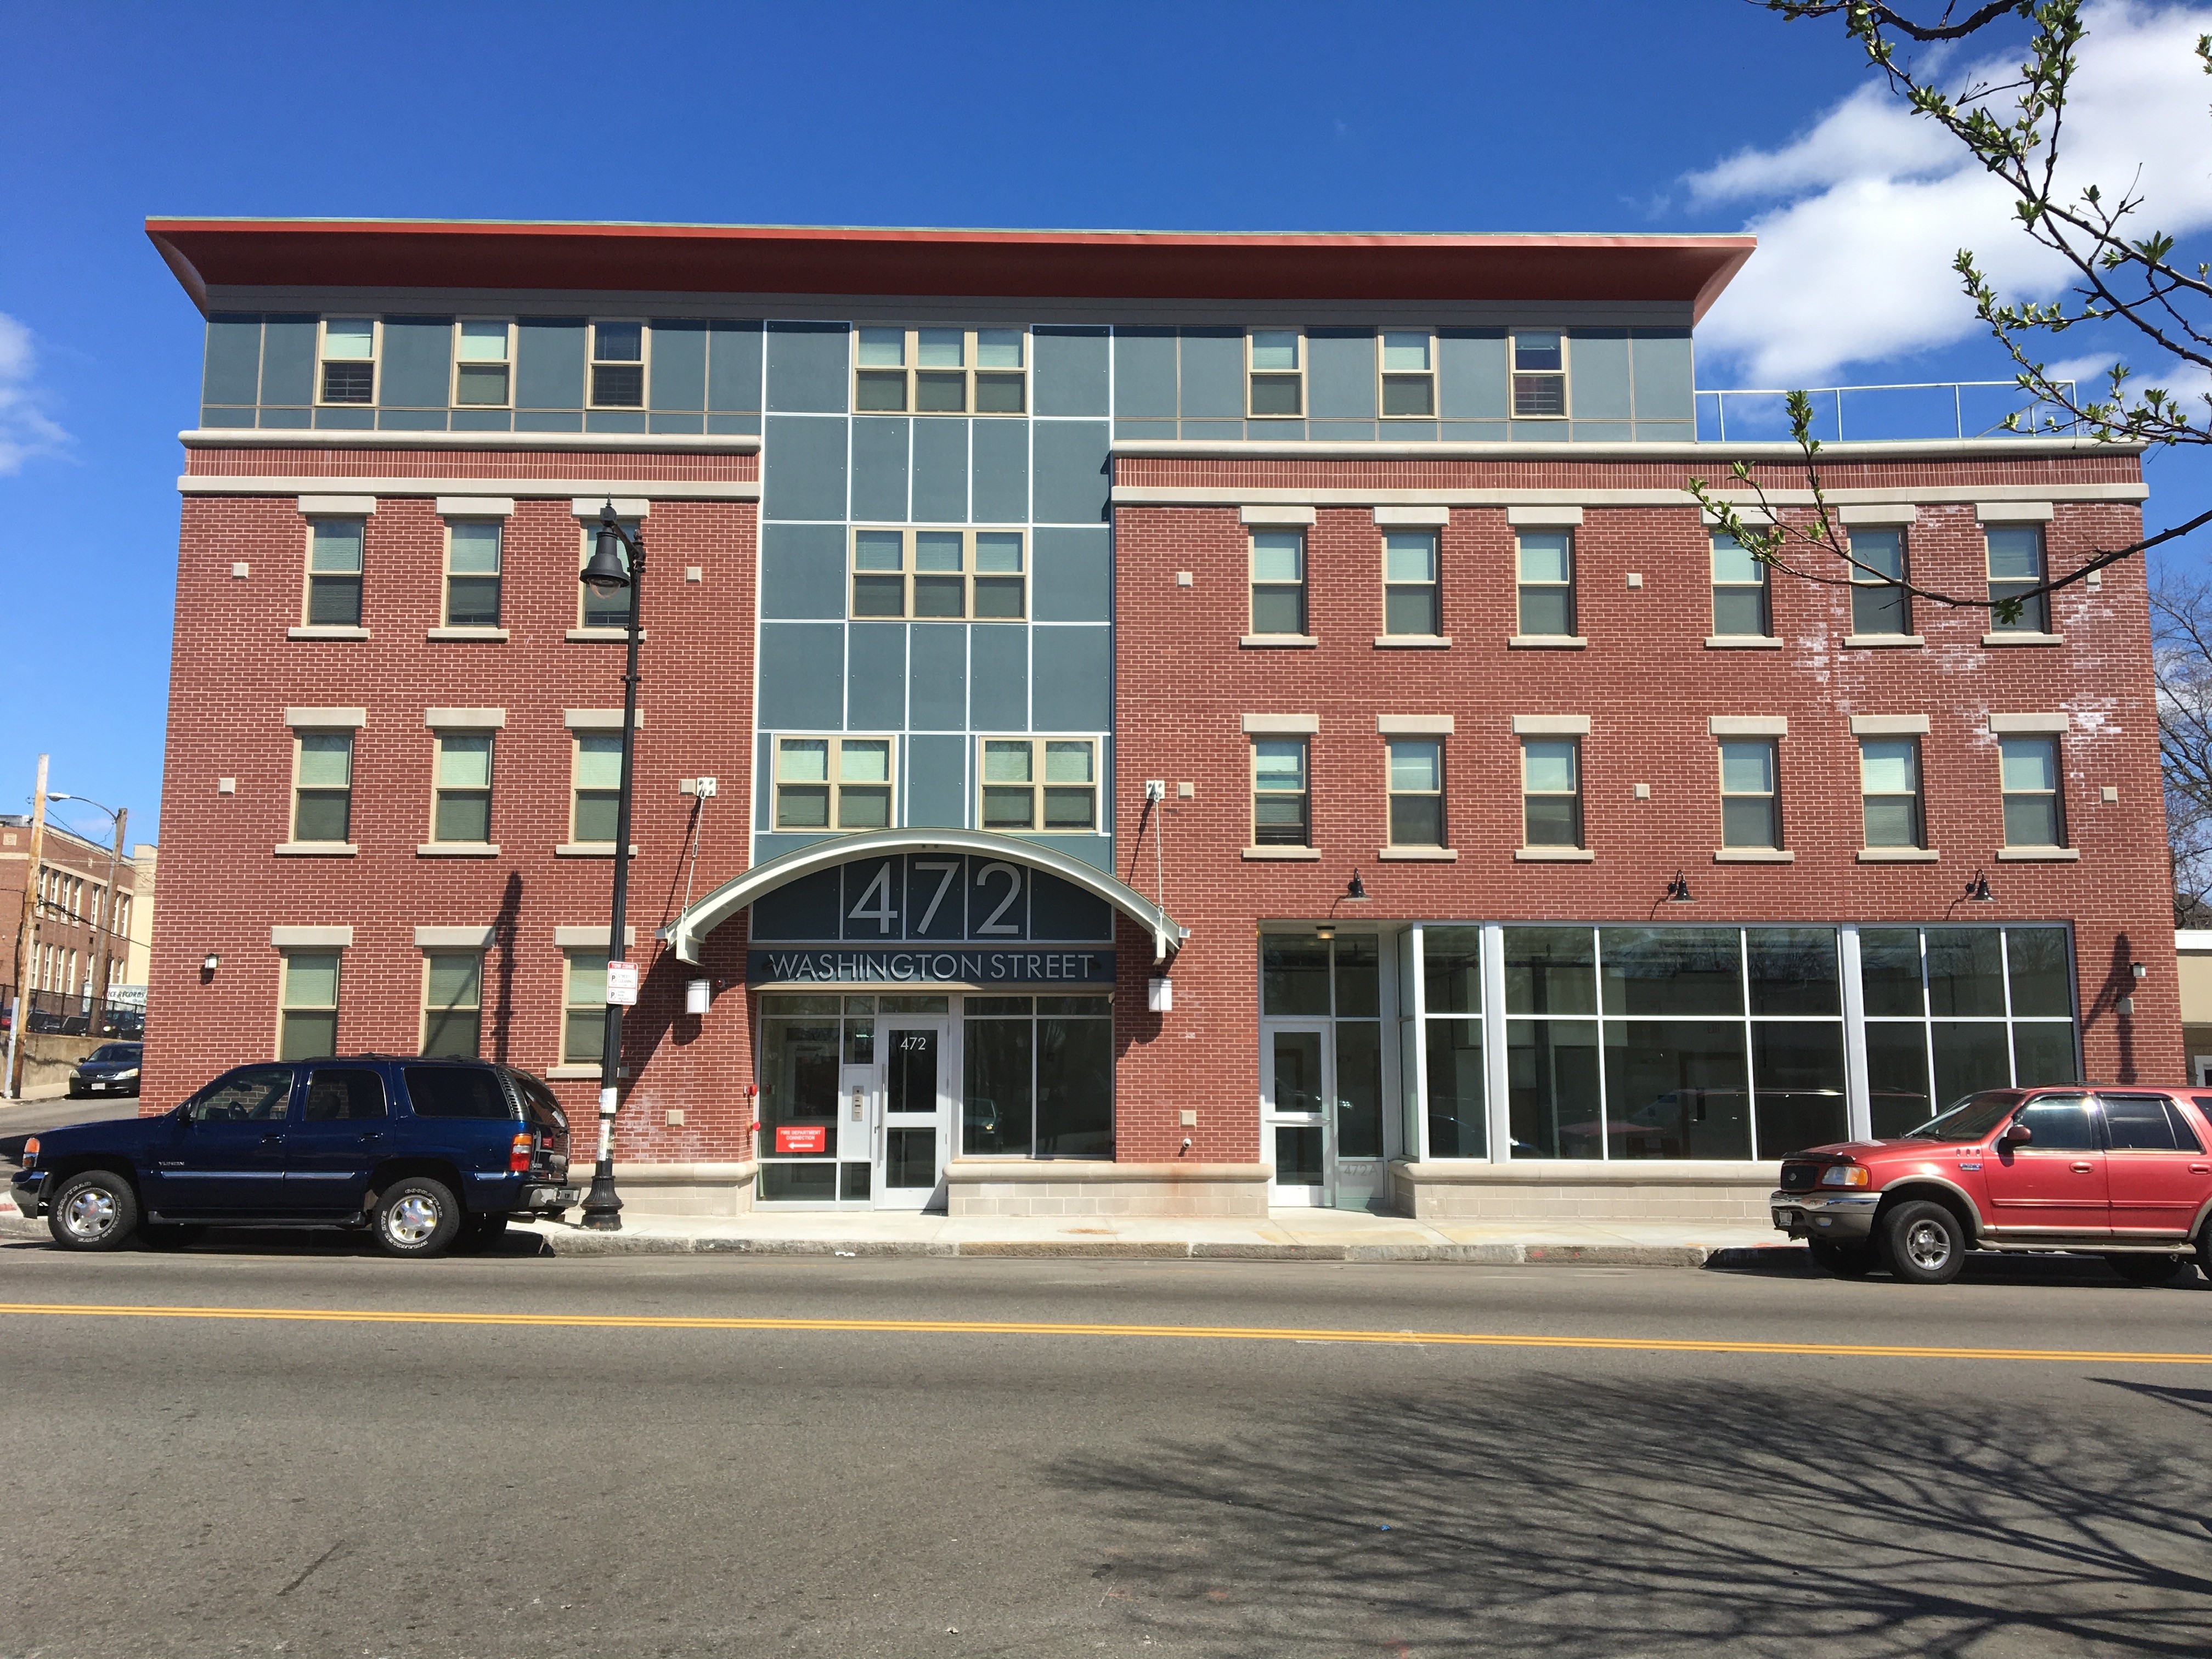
[(1932, 409)]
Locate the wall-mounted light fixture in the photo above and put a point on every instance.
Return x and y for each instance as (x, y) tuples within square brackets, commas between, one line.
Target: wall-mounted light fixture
[(1355, 888), (1326, 932), (1978, 889), (2139, 971), (1678, 891), (209, 962), (696, 994)]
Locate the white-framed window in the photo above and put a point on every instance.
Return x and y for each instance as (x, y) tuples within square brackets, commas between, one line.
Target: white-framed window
[(332, 598), (940, 371), (1544, 560), (460, 806), (1417, 791), (1027, 785), (940, 575), (1540, 374), (346, 356), (1279, 582), (452, 1003), (1877, 607), (483, 359), (1751, 799), (1408, 369), (307, 1009), (2034, 811), (322, 786), (1274, 373), (472, 547), (2016, 565), (584, 1007), (618, 365), (1282, 797), (1551, 792), (1739, 607), (1889, 792), (593, 608), (835, 782), (595, 787), (1410, 604)]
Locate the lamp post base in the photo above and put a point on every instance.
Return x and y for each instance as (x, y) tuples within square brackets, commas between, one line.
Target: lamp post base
[(602, 1206)]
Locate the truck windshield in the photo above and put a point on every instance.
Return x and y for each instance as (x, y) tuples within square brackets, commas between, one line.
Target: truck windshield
[(1970, 1119)]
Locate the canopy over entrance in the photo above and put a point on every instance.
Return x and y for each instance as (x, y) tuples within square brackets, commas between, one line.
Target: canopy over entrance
[(698, 919)]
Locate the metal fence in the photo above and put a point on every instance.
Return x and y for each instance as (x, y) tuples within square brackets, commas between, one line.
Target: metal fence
[(67, 1013), (1931, 409)]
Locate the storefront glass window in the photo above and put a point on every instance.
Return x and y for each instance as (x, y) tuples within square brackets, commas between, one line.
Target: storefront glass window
[(1037, 1076), (1677, 1089), (1672, 970), (801, 1040), (1293, 976), (1451, 967)]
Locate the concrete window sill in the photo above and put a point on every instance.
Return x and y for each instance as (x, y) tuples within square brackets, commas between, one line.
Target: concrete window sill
[(325, 633), (1898, 855), (1412, 641), (571, 1073), (1284, 854), (589, 849), (1755, 855), (1879, 642), (618, 634), (2039, 854), (458, 849), (1743, 642), (316, 850), (495, 634), (2017, 637), (1278, 642), (1417, 854), (1554, 855), (1545, 642)]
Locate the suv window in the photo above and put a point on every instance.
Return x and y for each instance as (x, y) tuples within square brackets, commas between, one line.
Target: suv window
[(1969, 1120), (538, 1101), (2060, 1125), (258, 1095), (336, 1094), (456, 1092), (2148, 1123)]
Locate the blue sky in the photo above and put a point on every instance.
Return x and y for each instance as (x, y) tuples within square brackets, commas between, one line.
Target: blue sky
[(1603, 115)]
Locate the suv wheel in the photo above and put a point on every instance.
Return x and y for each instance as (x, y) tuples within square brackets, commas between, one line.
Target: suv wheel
[(1924, 1243), (417, 1217), (95, 1211), (2147, 1269), (1842, 1261)]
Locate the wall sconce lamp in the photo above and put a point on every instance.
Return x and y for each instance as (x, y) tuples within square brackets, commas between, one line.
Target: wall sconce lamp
[(1355, 888), (1326, 932), (209, 962), (1978, 889), (1678, 891), (2139, 971)]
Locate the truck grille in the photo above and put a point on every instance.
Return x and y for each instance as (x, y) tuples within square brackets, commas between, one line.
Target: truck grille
[(1801, 1176)]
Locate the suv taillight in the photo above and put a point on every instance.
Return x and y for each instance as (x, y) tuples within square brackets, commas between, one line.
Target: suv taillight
[(518, 1156), (31, 1152)]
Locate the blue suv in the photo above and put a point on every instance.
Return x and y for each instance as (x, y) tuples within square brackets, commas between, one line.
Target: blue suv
[(424, 1153)]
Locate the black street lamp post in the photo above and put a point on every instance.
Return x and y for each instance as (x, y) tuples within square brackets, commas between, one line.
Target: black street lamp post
[(606, 574)]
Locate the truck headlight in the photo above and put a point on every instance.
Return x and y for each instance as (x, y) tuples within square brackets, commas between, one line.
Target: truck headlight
[(1845, 1175)]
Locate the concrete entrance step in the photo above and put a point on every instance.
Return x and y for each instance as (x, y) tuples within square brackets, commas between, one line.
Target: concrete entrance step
[(1285, 1235)]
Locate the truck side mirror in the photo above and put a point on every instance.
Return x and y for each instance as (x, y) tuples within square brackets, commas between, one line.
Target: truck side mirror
[(2017, 1134)]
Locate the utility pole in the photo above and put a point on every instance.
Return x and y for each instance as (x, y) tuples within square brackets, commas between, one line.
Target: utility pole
[(26, 935), (106, 923)]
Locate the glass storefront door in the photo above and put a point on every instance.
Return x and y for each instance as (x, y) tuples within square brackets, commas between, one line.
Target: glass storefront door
[(909, 1140), (1295, 1085)]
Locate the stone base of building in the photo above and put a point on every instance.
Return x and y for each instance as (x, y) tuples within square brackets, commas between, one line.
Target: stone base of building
[(1081, 1187), (681, 1188), (1567, 1193)]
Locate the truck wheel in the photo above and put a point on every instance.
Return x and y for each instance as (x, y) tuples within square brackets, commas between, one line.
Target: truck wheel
[(1842, 1261), (1924, 1243), (2147, 1269), (417, 1217), (95, 1211)]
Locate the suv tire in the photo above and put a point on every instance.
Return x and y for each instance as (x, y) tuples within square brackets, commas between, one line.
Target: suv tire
[(417, 1217), (96, 1210), (2147, 1269), (1842, 1261), (1923, 1242)]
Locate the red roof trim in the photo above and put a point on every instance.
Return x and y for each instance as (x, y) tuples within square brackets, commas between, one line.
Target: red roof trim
[(207, 253)]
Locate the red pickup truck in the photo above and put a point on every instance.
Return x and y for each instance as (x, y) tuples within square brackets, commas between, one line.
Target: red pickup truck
[(2119, 1172)]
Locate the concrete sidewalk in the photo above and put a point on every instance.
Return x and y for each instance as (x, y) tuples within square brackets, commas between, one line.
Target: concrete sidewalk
[(1285, 1235)]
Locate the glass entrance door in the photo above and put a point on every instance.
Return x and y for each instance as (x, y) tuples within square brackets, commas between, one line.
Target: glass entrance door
[(910, 1138), (1295, 1087)]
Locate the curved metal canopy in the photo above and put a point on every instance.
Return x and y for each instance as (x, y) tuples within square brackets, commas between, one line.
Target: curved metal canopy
[(698, 919)]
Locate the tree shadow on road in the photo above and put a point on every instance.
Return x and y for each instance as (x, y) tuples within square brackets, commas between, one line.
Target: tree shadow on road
[(1568, 1518)]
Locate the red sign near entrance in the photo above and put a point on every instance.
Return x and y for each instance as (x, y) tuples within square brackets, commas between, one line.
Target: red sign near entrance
[(798, 1139)]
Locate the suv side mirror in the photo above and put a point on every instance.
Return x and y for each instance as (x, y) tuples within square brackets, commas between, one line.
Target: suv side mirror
[(2017, 1134)]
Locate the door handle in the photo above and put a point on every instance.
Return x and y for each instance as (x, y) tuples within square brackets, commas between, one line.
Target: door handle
[(272, 1140), (2083, 1169), (367, 1135), (2200, 1168)]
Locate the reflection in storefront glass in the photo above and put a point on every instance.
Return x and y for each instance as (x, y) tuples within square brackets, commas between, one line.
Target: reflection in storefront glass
[(1897, 1077), (1970, 1056), (799, 1075), (1793, 970), (1293, 976), (1451, 963), (1358, 1087), (2043, 1052), (1965, 977), (1551, 1070), (1457, 1128), (1799, 1068), (1550, 970), (1889, 971), (995, 1099), (2042, 977), (1676, 1088), (1672, 970), (1075, 1081), (1359, 976)]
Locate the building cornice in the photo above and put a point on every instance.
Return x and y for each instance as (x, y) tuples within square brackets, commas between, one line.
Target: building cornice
[(643, 443), (1717, 454), (569, 489)]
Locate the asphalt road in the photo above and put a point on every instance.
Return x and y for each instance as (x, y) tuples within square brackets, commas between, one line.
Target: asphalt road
[(225, 1486)]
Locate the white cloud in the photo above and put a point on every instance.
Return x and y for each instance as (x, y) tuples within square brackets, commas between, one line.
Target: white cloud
[(25, 427), (1868, 206)]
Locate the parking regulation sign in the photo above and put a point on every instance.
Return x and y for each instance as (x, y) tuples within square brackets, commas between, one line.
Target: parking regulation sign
[(622, 983)]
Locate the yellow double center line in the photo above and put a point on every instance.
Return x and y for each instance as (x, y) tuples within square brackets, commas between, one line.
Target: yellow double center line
[(1038, 1328)]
